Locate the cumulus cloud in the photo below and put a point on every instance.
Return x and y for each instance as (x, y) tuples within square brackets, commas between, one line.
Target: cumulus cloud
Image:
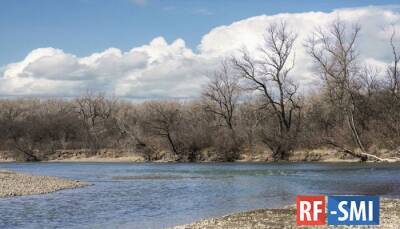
[(172, 70), (158, 69), (373, 40)]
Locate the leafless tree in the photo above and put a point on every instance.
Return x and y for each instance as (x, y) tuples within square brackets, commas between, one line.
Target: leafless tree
[(130, 122), (269, 75), (368, 81), (163, 120), (221, 96), (95, 111), (335, 54), (13, 115), (393, 70), (390, 102), (251, 115)]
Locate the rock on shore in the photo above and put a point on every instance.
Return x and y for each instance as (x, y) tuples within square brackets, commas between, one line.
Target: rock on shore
[(286, 218), (18, 184)]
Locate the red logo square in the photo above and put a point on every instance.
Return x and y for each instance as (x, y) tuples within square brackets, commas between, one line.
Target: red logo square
[(310, 210)]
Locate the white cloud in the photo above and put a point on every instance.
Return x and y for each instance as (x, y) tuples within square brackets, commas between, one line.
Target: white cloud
[(172, 70), (373, 41), (157, 70)]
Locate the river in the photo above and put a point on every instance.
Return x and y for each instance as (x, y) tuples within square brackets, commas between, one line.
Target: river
[(155, 195)]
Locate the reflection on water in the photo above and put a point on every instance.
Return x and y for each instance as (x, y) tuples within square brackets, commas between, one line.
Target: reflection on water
[(160, 195)]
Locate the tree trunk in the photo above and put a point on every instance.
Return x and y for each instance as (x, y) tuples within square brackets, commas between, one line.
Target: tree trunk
[(171, 142)]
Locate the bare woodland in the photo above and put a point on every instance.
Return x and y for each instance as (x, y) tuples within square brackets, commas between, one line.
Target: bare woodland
[(253, 100)]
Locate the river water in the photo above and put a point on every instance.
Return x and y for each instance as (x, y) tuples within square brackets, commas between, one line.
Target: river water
[(150, 195)]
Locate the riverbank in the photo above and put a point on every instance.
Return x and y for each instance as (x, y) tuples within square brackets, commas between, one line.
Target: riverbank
[(286, 218), (206, 155), (18, 184)]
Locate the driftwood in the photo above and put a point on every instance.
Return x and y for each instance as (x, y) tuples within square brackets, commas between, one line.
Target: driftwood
[(364, 156)]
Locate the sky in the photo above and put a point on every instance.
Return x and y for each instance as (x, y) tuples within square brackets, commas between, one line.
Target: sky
[(159, 48)]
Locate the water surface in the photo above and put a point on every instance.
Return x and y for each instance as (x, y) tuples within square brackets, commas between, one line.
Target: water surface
[(149, 195)]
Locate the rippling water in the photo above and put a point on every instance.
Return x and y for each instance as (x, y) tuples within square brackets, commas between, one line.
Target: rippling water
[(160, 195)]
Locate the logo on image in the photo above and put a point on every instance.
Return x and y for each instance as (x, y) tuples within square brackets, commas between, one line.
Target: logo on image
[(337, 210)]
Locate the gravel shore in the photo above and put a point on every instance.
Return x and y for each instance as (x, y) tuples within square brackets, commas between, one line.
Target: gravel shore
[(286, 218), (18, 184)]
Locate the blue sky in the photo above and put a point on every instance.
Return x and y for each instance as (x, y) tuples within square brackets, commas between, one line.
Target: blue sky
[(82, 27), (159, 49)]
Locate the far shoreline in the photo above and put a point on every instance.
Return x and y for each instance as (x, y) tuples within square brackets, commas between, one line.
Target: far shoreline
[(323, 155), (118, 160), (112, 161)]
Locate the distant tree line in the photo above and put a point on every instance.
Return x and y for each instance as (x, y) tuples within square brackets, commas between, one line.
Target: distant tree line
[(252, 100)]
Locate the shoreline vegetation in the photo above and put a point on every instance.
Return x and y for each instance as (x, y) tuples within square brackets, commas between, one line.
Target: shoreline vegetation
[(286, 218), (19, 184), (209, 155)]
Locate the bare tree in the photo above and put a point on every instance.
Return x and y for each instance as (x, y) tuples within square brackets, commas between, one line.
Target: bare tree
[(270, 76), (334, 52), (221, 96), (95, 111), (393, 70), (131, 124), (250, 117), (163, 120), (13, 115), (368, 81), (390, 102)]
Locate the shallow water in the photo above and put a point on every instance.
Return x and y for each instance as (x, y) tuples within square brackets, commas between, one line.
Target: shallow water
[(160, 195)]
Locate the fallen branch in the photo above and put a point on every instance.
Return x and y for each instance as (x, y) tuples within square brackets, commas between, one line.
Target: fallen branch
[(362, 155)]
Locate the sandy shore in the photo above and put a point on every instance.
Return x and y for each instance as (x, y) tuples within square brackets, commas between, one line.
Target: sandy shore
[(101, 159), (18, 184), (285, 218)]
